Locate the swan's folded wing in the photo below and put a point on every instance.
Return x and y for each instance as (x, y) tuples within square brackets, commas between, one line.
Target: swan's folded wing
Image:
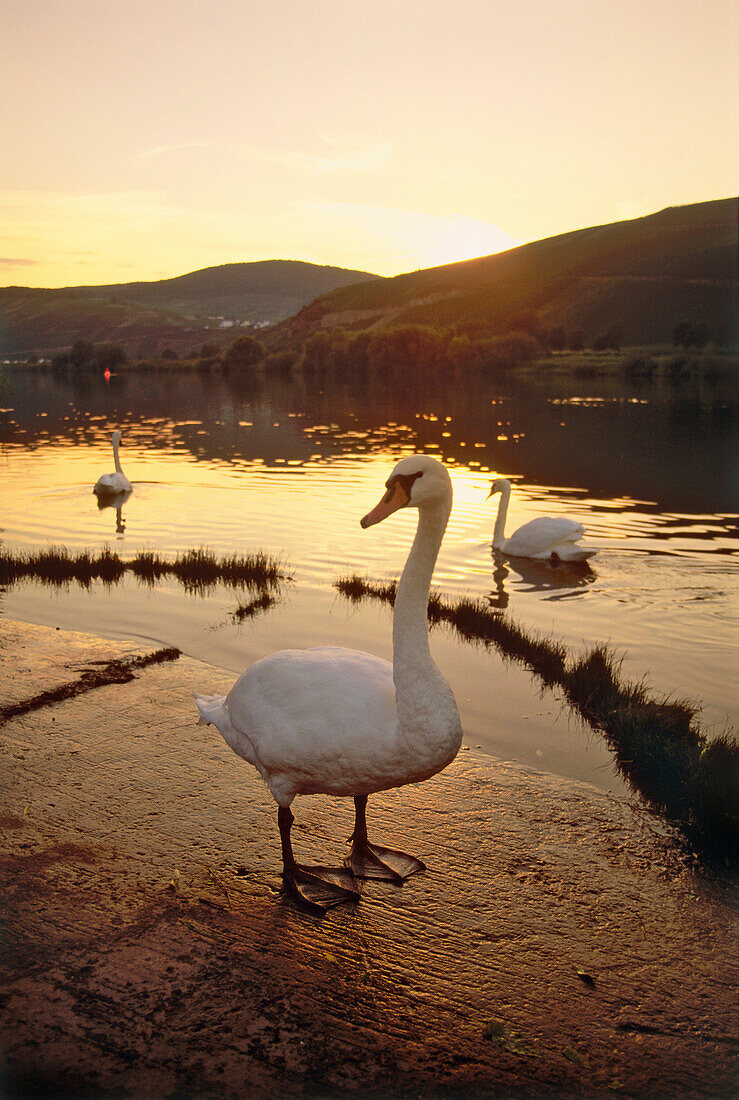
[(540, 536), (309, 712)]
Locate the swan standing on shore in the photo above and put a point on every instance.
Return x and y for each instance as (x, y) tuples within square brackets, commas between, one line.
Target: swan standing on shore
[(553, 537), (342, 722), (117, 482)]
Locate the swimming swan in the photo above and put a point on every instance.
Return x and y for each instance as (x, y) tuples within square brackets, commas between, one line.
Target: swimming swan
[(553, 537), (117, 482), (341, 722)]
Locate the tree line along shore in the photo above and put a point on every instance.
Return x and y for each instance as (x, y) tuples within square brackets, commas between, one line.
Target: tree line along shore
[(451, 353)]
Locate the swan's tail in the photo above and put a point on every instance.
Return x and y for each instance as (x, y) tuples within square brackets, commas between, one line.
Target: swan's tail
[(212, 710), (577, 553)]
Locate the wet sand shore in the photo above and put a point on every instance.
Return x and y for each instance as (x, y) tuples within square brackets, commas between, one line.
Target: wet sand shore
[(556, 946)]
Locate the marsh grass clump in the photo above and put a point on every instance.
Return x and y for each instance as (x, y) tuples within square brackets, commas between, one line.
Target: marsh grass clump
[(148, 566), (255, 607), (257, 569), (196, 570), (654, 747), (57, 565), (716, 790), (593, 681), (656, 743), (356, 589)]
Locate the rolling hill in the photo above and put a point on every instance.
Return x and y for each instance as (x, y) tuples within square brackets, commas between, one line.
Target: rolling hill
[(642, 277), (267, 290), (179, 313)]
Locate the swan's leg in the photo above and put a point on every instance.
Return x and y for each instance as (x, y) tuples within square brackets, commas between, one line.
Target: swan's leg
[(319, 888), (367, 860)]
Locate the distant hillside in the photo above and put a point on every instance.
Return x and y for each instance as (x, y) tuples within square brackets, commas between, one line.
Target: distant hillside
[(642, 277), (267, 290), (179, 313), (46, 321)]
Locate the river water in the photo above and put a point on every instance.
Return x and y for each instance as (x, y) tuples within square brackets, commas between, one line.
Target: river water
[(290, 466)]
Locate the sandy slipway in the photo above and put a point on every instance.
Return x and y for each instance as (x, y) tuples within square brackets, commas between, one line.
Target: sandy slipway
[(556, 946)]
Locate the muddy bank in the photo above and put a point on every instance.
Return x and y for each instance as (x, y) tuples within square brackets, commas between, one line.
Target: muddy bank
[(556, 946)]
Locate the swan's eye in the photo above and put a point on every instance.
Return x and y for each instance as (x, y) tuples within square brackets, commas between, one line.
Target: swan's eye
[(406, 483)]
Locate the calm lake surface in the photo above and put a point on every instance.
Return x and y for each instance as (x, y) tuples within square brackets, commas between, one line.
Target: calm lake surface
[(290, 466)]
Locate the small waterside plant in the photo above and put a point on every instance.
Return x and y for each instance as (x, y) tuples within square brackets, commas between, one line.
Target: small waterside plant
[(656, 743), (194, 569), (263, 602), (116, 671)]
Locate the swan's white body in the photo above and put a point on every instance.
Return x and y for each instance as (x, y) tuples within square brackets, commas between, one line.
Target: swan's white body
[(553, 537), (324, 721), (342, 722), (116, 482)]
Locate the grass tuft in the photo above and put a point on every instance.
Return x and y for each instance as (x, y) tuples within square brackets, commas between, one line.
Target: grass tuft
[(593, 681), (256, 606), (196, 570), (356, 589)]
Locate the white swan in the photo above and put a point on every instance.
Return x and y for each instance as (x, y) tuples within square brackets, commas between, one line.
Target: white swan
[(117, 482), (341, 722), (553, 537)]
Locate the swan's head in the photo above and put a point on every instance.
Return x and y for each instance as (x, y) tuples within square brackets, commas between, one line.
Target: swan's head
[(417, 481), (498, 486), (116, 436)]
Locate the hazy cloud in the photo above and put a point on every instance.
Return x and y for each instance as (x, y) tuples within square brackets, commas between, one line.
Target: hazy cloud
[(16, 262), (339, 156), (159, 150)]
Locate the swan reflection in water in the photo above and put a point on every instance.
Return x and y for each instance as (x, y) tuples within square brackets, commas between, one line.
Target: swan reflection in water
[(115, 500), (559, 579)]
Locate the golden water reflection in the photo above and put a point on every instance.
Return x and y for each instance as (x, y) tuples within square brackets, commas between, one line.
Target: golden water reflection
[(290, 469)]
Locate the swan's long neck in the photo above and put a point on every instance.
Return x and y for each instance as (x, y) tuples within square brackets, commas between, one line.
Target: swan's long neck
[(410, 623), (116, 459), (427, 713), (499, 529)]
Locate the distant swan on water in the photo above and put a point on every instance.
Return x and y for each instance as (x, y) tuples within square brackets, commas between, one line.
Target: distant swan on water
[(342, 722), (553, 537), (117, 482)]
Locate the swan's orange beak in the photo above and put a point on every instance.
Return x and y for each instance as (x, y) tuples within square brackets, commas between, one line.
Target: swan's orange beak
[(396, 497)]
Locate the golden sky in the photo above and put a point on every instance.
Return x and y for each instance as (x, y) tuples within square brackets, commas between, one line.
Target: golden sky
[(143, 139)]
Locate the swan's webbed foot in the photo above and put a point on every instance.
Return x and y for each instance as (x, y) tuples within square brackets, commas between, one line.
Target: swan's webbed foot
[(317, 888), (320, 888), (367, 860)]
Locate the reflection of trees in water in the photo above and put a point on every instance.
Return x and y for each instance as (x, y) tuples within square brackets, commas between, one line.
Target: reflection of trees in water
[(637, 438)]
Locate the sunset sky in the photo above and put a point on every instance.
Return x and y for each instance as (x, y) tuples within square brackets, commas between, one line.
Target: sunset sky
[(147, 138)]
